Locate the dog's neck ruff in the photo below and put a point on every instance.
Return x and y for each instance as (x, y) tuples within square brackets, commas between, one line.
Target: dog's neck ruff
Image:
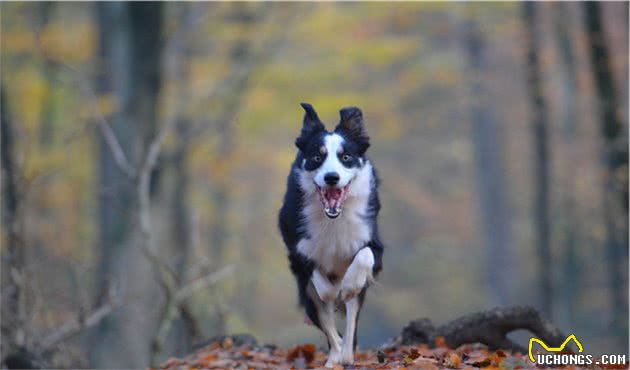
[(332, 243)]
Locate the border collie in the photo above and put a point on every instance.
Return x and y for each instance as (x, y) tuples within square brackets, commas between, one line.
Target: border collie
[(328, 223)]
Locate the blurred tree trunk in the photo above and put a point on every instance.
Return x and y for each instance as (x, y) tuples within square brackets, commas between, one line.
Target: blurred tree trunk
[(541, 153), (115, 189), (615, 156), (130, 51), (233, 87), (487, 140), (140, 316), (571, 266), (185, 328), (147, 43), (13, 259)]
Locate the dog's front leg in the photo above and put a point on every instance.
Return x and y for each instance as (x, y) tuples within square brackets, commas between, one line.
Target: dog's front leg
[(327, 293), (326, 290), (327, 321), (357, 274), (347, 347)]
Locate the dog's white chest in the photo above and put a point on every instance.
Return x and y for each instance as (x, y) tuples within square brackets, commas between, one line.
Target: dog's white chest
[(332, 243)]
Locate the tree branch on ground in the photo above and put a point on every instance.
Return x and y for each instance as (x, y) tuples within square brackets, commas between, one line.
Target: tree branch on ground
[(487, 327), (172, 308)]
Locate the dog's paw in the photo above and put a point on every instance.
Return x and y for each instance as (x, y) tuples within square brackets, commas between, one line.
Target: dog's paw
[(334, 357), (347, 356), (357, 275), (352, 284), (352, 287)]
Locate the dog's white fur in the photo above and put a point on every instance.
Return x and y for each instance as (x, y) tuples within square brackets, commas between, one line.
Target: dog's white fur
[(335, 245), (326, 290), (347, 350), (327, 322), (354, 279), (357, 275)]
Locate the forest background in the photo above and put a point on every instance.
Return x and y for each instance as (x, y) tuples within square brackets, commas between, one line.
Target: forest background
[(145, 149)]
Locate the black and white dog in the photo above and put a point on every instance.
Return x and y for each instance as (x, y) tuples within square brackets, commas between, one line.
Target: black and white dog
[(328, 222)]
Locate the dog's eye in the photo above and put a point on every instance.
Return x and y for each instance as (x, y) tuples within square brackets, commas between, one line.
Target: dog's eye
[(346, 157), (317, 158)]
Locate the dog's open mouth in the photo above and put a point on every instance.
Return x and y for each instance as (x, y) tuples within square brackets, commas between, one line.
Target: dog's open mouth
[(332, 199)]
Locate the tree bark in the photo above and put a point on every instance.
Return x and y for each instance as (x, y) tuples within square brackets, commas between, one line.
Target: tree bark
[(571, 266), (147, 43), (541, 154), (115, 190), (488, 152), (13, 259), (130, 50), (615, 158)]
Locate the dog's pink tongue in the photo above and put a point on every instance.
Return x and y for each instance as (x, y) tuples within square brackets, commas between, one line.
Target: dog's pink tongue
[(333, 193), (333, 197)]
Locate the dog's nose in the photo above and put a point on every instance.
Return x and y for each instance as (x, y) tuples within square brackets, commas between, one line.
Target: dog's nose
[(331, 178)]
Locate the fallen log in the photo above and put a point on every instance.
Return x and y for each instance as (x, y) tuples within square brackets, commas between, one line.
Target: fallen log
[(487, 327)]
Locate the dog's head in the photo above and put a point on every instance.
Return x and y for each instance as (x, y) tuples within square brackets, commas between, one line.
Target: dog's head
[(332, 160)]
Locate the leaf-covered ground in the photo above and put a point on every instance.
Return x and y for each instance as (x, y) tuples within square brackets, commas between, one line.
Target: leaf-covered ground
[(224, 355)]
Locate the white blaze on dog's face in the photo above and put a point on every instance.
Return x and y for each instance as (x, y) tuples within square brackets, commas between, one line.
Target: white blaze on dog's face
[(338, 161), (332, 160)]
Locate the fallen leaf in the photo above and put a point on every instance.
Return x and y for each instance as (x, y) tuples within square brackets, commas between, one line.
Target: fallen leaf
[(207, 360), (496, 358), (306, 352), (227, 343), (452, 360), (478, 358), (413, 353), (490, 368), (439, 353), (440, 342), (485, 362), (512, 363), (425, 364)]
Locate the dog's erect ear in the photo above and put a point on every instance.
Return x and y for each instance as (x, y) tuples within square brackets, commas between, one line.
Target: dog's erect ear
[(311, 120), (311, 125), (351, 124)]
